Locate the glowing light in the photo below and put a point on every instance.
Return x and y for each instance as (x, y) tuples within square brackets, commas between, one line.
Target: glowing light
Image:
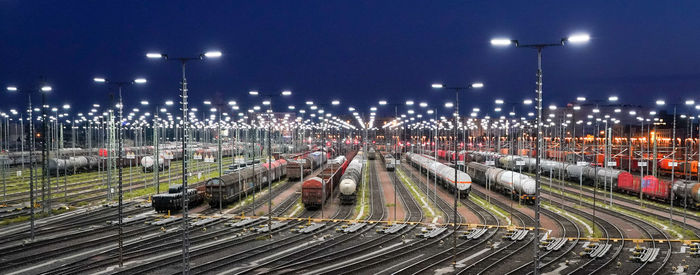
[(579, 38), (501, 42), (154, 55), (213, 54)]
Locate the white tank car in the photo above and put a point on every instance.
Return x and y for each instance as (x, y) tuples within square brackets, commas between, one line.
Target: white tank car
[(444, 172), (147, 163), (574, 171), (448, 174), (517, 182), (350, 180)]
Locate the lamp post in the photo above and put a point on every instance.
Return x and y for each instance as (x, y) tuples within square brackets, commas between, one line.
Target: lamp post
[(120, 143), (43, 89), (673, 162), (476, 85), (577, 38), (316, 107), (268, 102), (185, 129)]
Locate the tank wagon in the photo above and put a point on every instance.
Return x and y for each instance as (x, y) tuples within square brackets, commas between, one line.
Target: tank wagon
[(445, 174), (513, 184), (351, 180), (621, 181)]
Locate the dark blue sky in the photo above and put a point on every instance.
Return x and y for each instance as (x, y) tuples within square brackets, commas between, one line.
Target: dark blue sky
[(358, 52)]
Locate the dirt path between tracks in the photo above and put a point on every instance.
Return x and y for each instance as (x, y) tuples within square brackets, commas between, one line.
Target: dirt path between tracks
[(387, 184)]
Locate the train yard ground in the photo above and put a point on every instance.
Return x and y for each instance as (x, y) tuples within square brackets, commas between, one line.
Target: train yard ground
[(495, 235)]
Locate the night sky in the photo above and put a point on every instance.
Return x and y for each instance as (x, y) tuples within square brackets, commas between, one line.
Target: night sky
[(355, 51)]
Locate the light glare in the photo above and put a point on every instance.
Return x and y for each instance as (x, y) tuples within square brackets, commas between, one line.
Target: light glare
[(500, 42)]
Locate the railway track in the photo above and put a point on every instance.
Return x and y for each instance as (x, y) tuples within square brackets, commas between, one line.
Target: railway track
[(569, 230), (337, 247), (404, 251), (500, 254), (652, 232), (693, 222), (93, 185), (206, 253), (444, 257)]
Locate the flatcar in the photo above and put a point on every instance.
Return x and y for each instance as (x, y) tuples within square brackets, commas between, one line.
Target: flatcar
[(173, 202)]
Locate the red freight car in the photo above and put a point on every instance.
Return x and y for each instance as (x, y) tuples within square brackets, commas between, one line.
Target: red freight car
[(627, 183), (316, 190), (654, 188)]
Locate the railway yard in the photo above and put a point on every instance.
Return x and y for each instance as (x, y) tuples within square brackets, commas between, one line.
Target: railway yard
[(400, 221), (327, 137)]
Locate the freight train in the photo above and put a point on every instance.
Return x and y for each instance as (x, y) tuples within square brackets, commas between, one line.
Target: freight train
[(243, 181), (305, 164), (513, 184), (86, 160), (172, 201), (351, 180), (445, 174), (619, 180), (316, 190)]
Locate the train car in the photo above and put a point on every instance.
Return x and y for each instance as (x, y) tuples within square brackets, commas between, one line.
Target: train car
[(608, 177), (654, 188), (687, 193), (316, 190), (276, 170), (389, 162), (243, 182), (445, 175), (371, 154), (351, 180), (295, 169), (148, 163), (513, 184), (173, 201)]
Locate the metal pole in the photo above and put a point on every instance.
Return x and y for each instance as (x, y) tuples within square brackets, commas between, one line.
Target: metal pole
[(397, 155), (185, 199), (220, 160), (673, 164), (45, 170), (269, 174), (119, 163), (31, 165), (454, 218), (535, 247)]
